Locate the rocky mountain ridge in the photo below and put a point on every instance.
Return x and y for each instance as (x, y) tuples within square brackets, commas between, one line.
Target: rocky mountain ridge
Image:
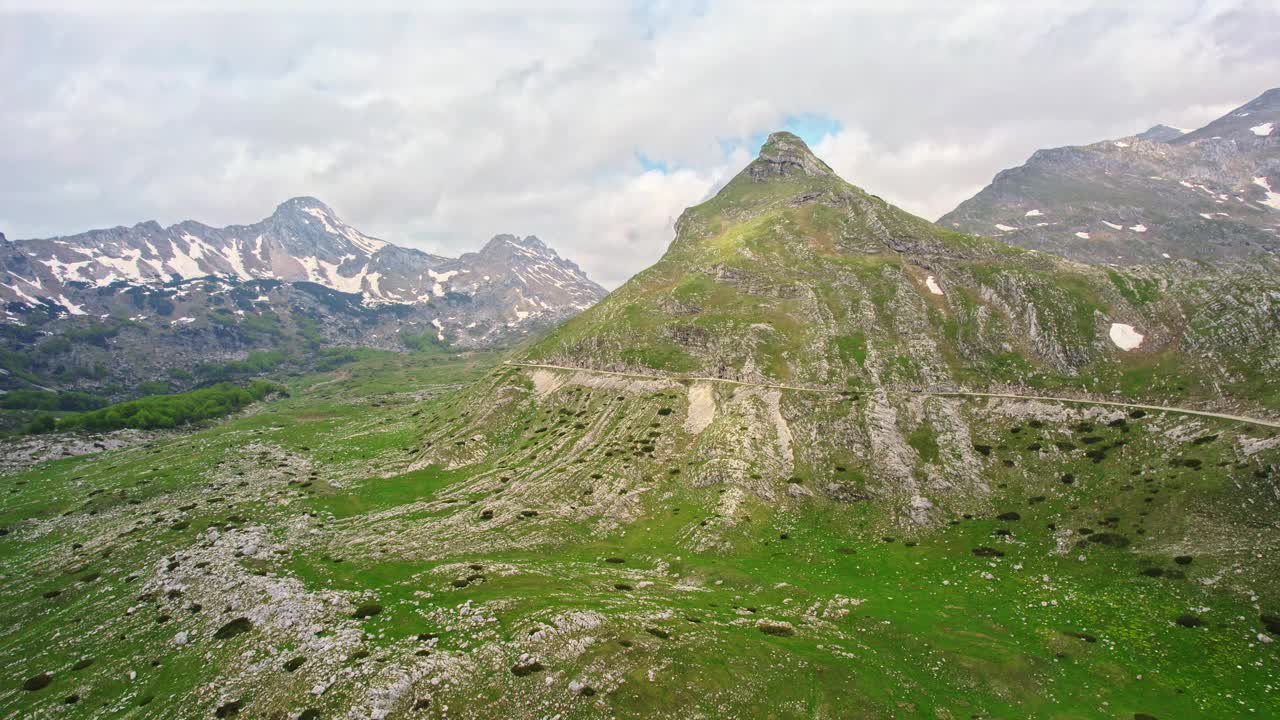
[(1210, 195), (509, 282)]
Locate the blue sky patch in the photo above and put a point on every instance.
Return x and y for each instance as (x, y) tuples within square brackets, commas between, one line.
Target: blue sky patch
[(650, 164)]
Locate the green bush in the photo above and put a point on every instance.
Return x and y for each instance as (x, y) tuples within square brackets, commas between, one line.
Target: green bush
[(42, 424), (154, 387)]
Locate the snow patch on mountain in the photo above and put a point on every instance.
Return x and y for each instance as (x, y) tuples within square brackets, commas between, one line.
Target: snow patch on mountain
[(1273, 198), (437, 287), (70, 306), (1125, 337)]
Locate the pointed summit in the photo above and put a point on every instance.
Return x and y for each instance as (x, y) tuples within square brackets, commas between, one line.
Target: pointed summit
[(302, 204), (784, 154), (1160, 133), (503, 241)]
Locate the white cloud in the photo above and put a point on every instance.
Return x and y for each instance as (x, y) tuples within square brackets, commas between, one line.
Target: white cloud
[(440, 128)]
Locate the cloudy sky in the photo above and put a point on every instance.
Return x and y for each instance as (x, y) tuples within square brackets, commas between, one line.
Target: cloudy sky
[(589, 124)]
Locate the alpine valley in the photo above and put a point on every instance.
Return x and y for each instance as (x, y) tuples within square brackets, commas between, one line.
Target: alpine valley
[(824, 459)]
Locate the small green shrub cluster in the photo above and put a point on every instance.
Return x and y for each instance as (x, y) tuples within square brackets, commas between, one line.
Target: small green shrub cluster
[(256, 364)]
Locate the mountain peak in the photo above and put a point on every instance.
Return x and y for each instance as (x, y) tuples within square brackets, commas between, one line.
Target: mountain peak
[(302, 203), (502, 240), (784, 154), (1160, 133)]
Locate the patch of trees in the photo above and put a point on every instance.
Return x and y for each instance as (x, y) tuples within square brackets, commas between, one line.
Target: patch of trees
[(161, 411)]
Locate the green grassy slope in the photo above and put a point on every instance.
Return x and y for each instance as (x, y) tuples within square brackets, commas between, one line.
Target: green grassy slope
[(586, 572), (468, 539)]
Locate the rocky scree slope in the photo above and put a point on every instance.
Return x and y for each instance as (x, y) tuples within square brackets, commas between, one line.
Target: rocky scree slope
[(1209, 195)]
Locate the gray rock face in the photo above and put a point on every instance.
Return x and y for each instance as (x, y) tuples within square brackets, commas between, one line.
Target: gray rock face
[(1211, 195), (510, 284), (786, 154)]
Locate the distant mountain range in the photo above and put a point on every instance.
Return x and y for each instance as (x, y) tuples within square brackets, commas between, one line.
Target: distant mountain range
[(108, 311), (1210, 195), (509, 283)]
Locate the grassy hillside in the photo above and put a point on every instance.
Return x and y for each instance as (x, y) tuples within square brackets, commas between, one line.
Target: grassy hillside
[(591, 570), (457, 536), (777, 277)]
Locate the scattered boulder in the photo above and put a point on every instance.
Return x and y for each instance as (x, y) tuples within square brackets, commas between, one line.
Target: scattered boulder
[(777, 628), (578, 687)]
